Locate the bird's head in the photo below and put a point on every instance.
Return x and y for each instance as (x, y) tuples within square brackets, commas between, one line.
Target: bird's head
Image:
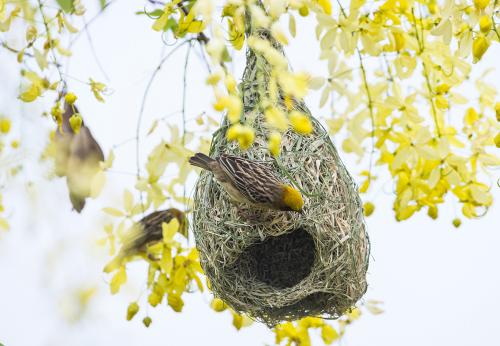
[(292, 198)]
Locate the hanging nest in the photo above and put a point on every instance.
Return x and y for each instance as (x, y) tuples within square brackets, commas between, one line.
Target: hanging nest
[(275, 265)]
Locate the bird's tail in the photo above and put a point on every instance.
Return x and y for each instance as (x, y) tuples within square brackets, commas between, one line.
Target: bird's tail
[(201, 160)]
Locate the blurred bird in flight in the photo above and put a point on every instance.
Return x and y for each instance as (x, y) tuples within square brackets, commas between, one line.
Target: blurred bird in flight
[(146, 232)]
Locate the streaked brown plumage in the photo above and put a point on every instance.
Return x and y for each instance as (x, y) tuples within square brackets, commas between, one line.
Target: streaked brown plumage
[(250, 182), (77, 157), (146, 232)]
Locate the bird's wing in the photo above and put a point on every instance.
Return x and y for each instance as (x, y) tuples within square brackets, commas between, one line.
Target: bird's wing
[(256, 180)]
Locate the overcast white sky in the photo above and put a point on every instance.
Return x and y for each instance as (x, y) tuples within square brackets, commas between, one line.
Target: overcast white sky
[(439, 284)]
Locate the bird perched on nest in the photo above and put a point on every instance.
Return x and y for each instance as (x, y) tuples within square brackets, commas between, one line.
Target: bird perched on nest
[(146, 232), (77, 157), (250, 182)]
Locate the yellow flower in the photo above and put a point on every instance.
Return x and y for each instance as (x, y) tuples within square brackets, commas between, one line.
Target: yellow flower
[(294, 84), (75, 122), (31, 33), (399, 41), (368, 208), (497, 140), (432, 212), (147, 321), (245, 135), (5, 125), (118, 280), (132, 310), (442, 88), (213, 78), (218, 305), (154, 299), (304, 11), (497, 110), (479, 47), (276, 118), (301, 123), (274, 143), (56, 113), (279, 34), (481, 4), (175, 302), (433, 7), (230, 83), (326, 6), (328, 334), (441, 102), (457, 222), (97, 89), (485, 23), (70, 98), (471, 116), (233, 105), (240, 321)]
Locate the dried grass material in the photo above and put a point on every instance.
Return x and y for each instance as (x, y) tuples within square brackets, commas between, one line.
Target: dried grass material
[(276, 265)]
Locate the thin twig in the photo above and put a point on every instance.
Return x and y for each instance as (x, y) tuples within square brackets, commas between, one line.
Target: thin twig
[(143, 105), (94, 53), (184, 97), (87, 24), (49, 38), (370, 109), (184, 94), (16, 51)]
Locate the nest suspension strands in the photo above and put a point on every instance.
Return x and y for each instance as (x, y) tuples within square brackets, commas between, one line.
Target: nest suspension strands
[(280, 265)]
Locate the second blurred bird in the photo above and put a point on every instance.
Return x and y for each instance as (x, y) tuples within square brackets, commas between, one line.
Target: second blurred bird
[(77, 157)]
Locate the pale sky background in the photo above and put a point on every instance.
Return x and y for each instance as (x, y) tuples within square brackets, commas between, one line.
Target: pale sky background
[(440, 285)]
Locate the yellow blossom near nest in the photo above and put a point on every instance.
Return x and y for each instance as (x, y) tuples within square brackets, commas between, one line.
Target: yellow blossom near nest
[(301, 123), (239, 320), (147, 321), (276, 118), (368, 208), (245, 135), (294, 84), (132, 310), (232, 104), (298, 333)]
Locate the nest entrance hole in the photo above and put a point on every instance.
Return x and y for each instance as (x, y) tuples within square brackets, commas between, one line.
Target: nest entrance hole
[(282, 261)]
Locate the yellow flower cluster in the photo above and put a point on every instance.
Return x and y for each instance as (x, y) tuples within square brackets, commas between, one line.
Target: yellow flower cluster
[(407, 117), (239, 320), (297, 333), (172, 268)]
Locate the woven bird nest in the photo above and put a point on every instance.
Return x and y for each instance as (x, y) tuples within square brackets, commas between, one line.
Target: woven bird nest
[(275, 265)]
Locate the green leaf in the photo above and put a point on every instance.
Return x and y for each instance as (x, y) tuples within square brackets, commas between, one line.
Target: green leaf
[(66, 5), (102, 3)]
